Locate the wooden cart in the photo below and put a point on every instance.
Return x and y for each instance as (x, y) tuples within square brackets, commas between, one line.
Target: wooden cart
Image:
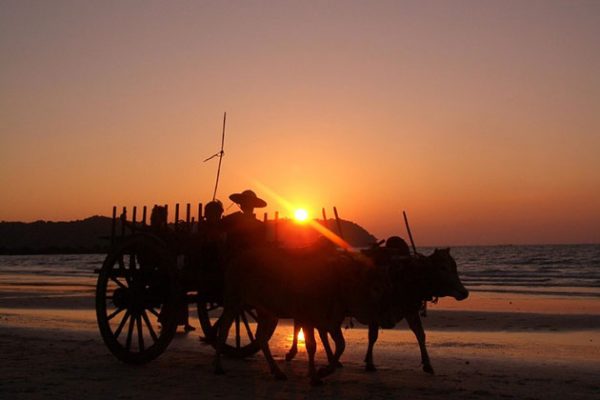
[(146, 283)]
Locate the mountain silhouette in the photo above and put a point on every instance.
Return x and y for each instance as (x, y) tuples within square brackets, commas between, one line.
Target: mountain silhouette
[(47, 237)]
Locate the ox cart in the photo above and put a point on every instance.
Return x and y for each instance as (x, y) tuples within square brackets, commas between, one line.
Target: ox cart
[(148, 279)]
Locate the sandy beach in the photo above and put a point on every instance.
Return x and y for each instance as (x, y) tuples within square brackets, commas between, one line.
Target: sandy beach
[(493, 345)]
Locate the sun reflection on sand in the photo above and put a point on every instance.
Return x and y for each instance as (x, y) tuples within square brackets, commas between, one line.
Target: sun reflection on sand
[(290, 338)]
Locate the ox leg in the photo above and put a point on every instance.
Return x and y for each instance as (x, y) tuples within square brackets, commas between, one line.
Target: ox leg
[(224, 324), (311, 349), (294, 349), (373, 334), (414, 322), (266, 327), (340, 345), (327, 346)]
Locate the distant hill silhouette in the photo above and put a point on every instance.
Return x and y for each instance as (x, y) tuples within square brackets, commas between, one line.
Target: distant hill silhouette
[(90, 235), (47, 237)]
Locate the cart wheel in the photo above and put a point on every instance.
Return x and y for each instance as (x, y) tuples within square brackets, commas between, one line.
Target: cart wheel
[(241, 341), (136, 299)]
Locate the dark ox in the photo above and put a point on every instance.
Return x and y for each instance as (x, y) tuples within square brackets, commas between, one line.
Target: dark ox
[(317, 288), (413, 280)]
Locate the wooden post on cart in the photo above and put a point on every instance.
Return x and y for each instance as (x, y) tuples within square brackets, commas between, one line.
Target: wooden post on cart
[(133, 218), (199, 215), (113, 226), (187, 217), (123, 221), (338, 222), (144, 216)]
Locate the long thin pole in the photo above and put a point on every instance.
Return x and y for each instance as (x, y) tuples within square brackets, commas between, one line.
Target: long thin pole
[(220, 156), (412, 242)]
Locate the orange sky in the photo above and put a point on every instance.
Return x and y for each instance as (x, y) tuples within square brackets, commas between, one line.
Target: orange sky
[(480, 119)]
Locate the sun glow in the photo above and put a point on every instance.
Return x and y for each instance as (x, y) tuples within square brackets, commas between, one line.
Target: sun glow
[(312, 223), (301, 336), (301, 215)]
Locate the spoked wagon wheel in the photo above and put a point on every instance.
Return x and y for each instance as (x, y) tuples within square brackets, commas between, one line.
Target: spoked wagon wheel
[(241, 341), (136, 299)]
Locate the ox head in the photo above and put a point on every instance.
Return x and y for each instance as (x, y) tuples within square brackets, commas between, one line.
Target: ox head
[(442, 276)]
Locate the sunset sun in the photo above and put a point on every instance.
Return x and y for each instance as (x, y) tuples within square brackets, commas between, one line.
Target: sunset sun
[(301, 215)]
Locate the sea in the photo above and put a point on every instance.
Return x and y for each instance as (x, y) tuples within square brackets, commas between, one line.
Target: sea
[(569, 270)]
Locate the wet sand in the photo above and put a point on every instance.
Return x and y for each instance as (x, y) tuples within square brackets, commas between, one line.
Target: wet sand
[(493, 345)]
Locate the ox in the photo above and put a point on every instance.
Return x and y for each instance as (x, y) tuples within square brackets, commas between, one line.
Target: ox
[(317, 288), (413, 280)]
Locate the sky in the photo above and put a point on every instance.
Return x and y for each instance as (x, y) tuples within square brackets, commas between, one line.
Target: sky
[(481, 119)]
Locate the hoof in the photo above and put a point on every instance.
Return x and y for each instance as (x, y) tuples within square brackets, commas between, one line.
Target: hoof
[(325, 371), (370, 368), (207, 339), (218, 367), (219, 371), (336, 363), (279, 376), (427, 368), (290, 355), (316, 382)]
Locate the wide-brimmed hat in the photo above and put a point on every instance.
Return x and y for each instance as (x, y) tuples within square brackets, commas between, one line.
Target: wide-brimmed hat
[(248, 197)]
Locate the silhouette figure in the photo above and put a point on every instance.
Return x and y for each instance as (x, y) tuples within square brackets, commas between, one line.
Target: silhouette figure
[(158, 219), (211, 230), (210, 251), (213, 210), (242, 228)]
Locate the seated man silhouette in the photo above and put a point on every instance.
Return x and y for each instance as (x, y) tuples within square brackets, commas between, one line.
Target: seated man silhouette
[(212, 236), (207, 254), (211, 229), (158, 219), (242, 228)]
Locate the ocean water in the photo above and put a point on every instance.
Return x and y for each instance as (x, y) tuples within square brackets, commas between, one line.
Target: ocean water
[(558, 269), (566, 269)]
